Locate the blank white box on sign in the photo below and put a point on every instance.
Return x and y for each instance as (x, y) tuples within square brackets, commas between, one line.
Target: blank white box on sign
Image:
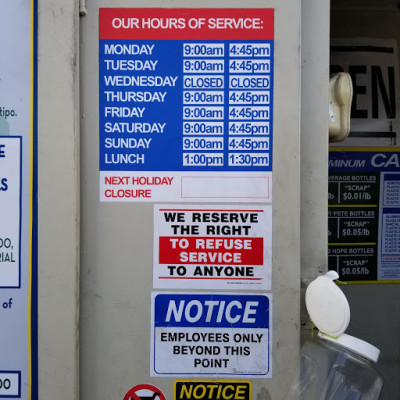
[(10, 384), (233, 187)]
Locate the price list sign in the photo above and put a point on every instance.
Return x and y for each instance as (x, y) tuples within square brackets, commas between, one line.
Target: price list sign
[(186, 104), (364, 214)]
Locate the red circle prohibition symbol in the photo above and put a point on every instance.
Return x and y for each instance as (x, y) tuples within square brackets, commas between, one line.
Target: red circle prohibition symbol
[(144, 392)]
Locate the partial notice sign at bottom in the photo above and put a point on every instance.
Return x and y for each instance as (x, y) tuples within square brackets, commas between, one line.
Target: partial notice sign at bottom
[(186, 389), (211, 334)]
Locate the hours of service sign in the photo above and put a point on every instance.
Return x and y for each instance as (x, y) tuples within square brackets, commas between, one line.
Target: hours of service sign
[(186, 104)]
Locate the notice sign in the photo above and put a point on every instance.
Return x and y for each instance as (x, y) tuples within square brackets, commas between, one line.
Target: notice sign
[(364, 213), (186, 104), (211, 334), (212, 247), (10, 212), (212, 390)]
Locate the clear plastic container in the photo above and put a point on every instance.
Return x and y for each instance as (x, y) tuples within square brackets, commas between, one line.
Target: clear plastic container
[(338, 369), (334, 366)]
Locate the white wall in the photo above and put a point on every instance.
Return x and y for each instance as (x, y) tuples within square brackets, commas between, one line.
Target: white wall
[(58, 164), (117, 238)]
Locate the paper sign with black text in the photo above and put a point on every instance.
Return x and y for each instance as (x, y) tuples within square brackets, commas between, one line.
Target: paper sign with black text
[(209, 334), (373, 67), (211, 247)]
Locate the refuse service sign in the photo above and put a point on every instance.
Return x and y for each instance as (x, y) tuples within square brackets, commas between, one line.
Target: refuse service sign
[(220, 247), (211, 334)]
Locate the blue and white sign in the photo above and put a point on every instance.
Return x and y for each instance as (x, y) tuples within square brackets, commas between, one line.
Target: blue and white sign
[(211, 334), (186, 112), (10, 211), (18, 200), (364, 213)]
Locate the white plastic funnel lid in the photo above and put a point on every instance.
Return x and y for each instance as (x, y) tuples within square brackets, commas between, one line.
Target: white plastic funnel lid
[(327, 305)]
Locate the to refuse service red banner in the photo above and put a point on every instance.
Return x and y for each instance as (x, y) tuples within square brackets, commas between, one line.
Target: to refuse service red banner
[(187, 23), (206, 250)]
